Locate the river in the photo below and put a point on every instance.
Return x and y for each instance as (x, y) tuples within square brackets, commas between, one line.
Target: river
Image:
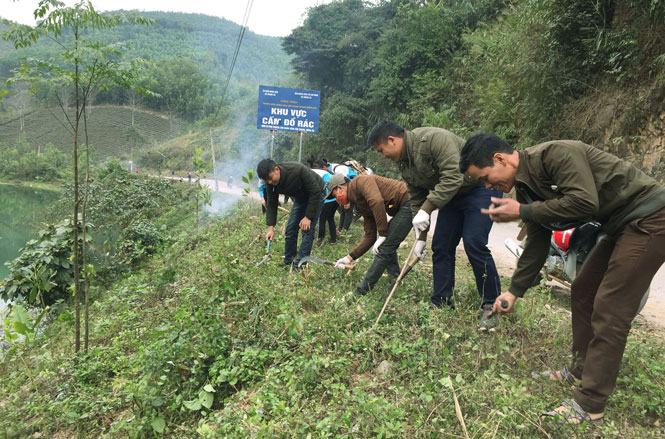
[(22, 210)]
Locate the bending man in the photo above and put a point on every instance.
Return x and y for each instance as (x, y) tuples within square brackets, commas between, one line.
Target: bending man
[(566, 180), (428, 159), (306, 189), (376, 197)]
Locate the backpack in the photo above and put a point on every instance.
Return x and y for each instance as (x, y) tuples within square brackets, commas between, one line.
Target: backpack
[(356, 166)]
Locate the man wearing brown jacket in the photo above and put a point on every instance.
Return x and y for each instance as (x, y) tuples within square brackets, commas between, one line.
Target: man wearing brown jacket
[(374, 198), (564, 181)]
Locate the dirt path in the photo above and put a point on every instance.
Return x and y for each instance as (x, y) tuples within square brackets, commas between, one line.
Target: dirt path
[(653, 312)]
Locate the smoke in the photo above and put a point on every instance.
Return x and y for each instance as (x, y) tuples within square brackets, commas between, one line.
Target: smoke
[(222, 203), (248, 147)]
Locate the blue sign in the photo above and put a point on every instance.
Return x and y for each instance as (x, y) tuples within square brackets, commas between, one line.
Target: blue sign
[(288, 109)]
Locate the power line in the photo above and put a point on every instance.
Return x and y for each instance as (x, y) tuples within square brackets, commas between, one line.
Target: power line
[(245, 19)]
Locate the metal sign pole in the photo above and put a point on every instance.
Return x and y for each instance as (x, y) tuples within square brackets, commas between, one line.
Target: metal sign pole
[(272, 141), (300, 150)]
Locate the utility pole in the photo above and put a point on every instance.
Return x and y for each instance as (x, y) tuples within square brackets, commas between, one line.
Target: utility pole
[(214, 168)]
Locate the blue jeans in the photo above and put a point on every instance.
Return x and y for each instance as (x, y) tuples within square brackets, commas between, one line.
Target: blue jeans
[(461, 218), (292, 228)]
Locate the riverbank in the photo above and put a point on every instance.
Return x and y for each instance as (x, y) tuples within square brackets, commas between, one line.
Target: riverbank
[(45, 186)]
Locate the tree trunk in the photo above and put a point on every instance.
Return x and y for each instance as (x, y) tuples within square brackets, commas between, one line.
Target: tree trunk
[(84, 245), (77, 284)]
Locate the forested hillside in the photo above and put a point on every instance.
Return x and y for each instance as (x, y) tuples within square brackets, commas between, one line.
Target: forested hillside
[(189, 58), (207, 42), (528, 70)]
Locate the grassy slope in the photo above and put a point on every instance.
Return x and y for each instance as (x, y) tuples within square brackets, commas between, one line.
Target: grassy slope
[(108, 129), (287, 358)]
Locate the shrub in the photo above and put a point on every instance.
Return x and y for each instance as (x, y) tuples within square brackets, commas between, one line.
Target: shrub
[(43, 272)]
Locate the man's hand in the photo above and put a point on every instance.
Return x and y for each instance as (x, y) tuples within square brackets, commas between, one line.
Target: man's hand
[(342, 262), (419, 249), (508, 297), (305, 223), (421, 221), (377, 244), (502, 210), (271, 233)]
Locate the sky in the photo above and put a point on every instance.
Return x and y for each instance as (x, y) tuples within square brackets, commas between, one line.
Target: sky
[(267, 17)]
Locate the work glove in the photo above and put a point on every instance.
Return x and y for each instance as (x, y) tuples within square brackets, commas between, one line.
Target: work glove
[(419, 249), (342, 262), (421, 221), (377, 244)]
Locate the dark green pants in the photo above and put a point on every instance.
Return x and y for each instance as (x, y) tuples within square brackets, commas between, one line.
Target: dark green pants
[(386, 259)]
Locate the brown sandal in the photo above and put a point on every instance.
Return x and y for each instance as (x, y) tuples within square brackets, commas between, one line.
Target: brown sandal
[(572, 415), (565, 376)]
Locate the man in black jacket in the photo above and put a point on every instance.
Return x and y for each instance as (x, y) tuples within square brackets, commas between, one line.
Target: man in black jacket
[(306, 189)]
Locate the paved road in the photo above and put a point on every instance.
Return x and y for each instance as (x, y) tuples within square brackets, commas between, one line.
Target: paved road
[(653, 312)]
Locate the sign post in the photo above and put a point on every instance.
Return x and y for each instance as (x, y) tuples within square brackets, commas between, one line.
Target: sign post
[(288, 109), (300, 149), (272, 141)]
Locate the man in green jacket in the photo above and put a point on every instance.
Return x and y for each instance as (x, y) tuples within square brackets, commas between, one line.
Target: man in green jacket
[(428, 160), (564, 181), (376, 197), (306, 189)]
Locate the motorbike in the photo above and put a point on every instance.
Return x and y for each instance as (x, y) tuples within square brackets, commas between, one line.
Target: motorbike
[(568, 251)]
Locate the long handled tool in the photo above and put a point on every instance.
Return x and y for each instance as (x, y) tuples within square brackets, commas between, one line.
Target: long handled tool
[(316, 260), (407, 267), (265, 258)]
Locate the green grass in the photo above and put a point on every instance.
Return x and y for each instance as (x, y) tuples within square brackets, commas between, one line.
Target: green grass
[(108, 130), (282, 355)]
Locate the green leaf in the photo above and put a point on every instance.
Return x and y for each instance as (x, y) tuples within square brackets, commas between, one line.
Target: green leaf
[(194, 404), (20, 315), (21, 328), (209, 388), (158, 424), (446, 382), (206, 398)]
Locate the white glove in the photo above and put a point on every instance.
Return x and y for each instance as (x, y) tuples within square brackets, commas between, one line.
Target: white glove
[(421, 221), (419, 249), (377, 244), (342, 262)]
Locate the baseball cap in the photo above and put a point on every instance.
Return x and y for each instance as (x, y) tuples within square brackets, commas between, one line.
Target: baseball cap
[(335, 181)]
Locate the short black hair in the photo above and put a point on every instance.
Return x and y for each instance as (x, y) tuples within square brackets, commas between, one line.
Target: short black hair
[(479, 151), (265, 167), (382, 130), (319, 164)]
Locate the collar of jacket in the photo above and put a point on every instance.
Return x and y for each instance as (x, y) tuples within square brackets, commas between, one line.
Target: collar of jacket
[(282, 175), (522, 174), (406, 146), (351, 194)]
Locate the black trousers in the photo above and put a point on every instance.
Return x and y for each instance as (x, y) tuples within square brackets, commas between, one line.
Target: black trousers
[(328, 216)]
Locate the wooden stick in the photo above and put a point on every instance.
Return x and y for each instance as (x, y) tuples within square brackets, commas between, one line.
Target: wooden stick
[(399, 278), (458, 411)]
